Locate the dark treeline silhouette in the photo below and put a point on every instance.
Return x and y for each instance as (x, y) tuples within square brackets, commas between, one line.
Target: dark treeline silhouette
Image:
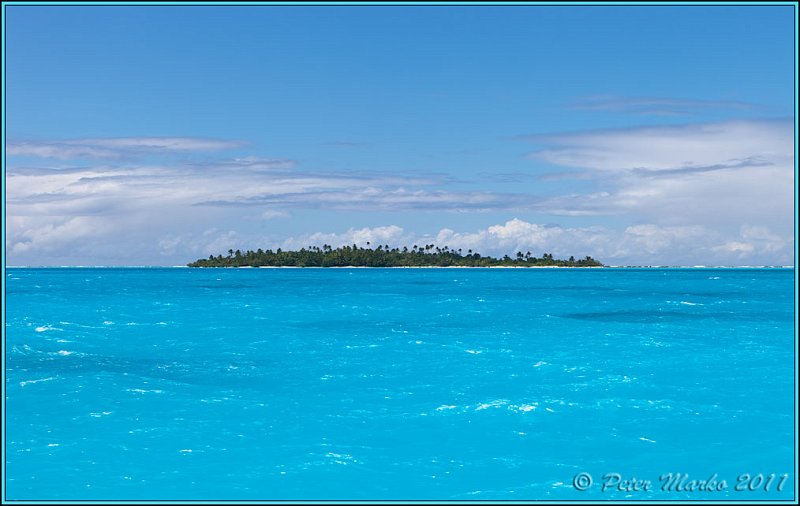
[(382, 256)]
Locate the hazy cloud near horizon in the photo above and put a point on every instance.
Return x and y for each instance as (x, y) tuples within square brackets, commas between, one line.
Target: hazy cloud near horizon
[(709, 193)]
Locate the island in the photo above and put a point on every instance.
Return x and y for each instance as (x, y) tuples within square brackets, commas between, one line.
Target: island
[(382, 256)]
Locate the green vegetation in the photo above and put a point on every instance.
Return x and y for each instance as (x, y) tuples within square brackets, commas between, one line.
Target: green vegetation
[(382, 256)]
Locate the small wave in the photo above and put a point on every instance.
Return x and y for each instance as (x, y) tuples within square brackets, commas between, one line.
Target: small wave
[(29, 382), (540, 363), (142, 391), (341, 458), (492, 404), (65, 353), (46, 328), (445, 407), (326, 377), (687, 303), (647, 440), (474, 352)]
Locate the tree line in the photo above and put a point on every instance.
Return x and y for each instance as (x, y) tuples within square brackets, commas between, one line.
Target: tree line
[(427, 255)]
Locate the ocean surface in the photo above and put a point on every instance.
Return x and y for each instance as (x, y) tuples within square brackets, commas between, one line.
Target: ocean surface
[(412, 384)]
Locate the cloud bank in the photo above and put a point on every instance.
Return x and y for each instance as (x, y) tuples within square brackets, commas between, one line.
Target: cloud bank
[(646, 244), (710, 193), (720, 175)]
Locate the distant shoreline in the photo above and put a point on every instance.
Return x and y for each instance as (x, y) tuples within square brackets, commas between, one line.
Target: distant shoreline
[(404, 267)]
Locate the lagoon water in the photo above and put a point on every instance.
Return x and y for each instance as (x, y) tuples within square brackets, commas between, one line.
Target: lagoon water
[(414, 384)]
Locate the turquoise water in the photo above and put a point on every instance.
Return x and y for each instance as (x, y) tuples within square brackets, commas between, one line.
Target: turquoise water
[(396, 383)]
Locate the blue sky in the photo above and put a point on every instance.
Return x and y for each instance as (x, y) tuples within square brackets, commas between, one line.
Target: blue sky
[(154, 135)]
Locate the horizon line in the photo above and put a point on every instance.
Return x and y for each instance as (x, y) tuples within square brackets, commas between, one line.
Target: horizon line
[(400, 267)]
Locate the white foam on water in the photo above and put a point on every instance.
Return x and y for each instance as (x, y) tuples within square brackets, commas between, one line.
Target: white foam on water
[(687, 303), (108, 322), (45, 328), (492, 404), (474, 352), (142, 391), (540, 363), (339, 455), (446, 406), (646, 439), (341, 459), (29, 382), (65, 353)]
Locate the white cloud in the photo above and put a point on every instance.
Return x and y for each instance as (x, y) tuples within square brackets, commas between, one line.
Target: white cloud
[(644, 244), (48, 237), (374, 195), (115, 148), (156, 212), (714, 175), (670, 147), (686, 194), (735, 247), (391, 234)]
